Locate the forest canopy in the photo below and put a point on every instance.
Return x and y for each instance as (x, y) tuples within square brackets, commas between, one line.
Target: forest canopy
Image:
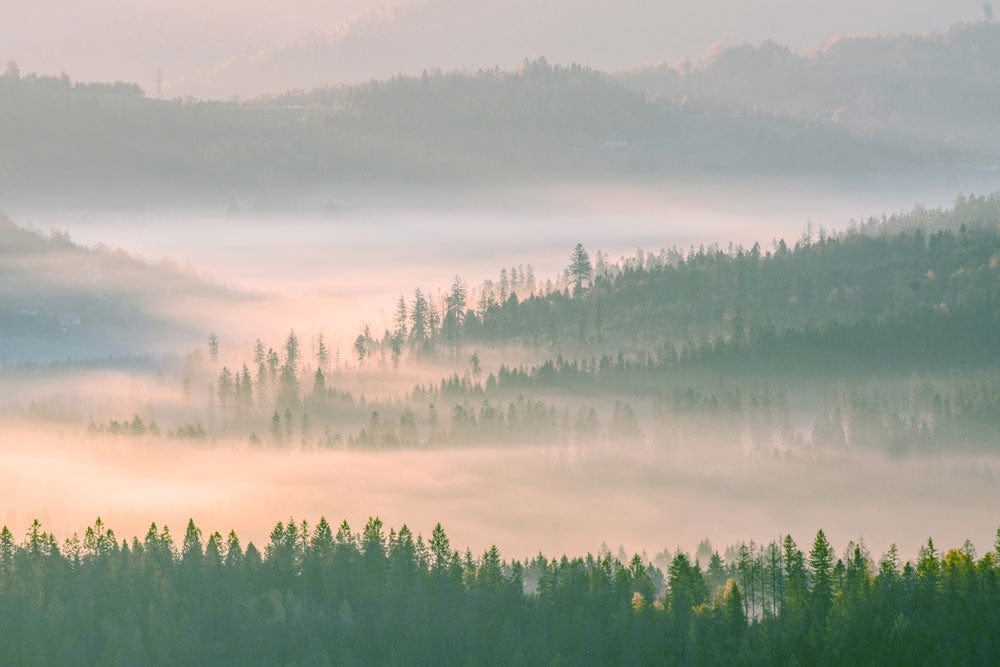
[(317, 595), (535, 124)]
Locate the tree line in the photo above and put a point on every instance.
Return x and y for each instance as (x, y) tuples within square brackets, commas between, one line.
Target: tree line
[(317, 595), (664, 400), (925, 276), (532, 123)]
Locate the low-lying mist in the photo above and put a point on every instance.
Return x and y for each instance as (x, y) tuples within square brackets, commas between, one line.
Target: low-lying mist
[(366, 246), (524, 499), (675, 483)]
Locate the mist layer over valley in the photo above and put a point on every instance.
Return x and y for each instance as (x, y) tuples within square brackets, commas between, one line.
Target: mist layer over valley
[(540, 360), (526, 499), (648, 451)]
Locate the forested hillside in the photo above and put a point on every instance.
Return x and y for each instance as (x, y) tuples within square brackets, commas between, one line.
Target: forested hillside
[(61, 299), (320, 596), (539, 122), (924, 285), (882, 337), (939, 85)]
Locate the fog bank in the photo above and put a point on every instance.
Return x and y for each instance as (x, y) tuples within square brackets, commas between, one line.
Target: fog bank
[(522, 499)]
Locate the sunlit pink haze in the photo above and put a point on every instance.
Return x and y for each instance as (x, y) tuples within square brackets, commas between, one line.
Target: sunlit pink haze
[(552, 499), (251, 47)]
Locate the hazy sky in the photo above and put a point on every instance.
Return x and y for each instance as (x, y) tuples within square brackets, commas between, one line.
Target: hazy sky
[(224, 47)]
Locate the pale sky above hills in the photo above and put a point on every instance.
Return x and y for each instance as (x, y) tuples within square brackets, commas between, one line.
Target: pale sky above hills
[(223, 47)]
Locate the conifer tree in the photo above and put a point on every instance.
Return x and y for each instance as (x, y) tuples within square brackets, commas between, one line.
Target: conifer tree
[(821, 566), (580, 269)]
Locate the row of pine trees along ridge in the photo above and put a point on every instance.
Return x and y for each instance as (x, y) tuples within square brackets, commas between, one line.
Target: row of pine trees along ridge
[(319, 595)]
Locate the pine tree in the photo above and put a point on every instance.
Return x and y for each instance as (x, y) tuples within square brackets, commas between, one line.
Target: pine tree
[(192, 551), (797, 591), (234, 552), (319, 383), (821, 565), (277, 433), (419, 320), (292, 351), (440, 548), (454, 314), (244, 394), (322, 353), (580, 269), (226, 392), (213, 348), (476, 367), (321, 543)]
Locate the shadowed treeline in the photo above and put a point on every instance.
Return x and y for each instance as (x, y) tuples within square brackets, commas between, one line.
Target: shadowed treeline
[(322, 596)]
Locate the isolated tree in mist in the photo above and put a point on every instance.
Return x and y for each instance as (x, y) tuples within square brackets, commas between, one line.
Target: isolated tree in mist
[(433, 320), (289, 393), (244, 393), (319, 383), (396, 348), (398, 339), (504, 286), (419, 320), (292, 350), (277, 434), (580, 269), (454, 312), (187, 397), (475, 366), (401, 319), (226, 392), (213, 347), (322, 353), (987, 12), (359, 348), (362, 344)]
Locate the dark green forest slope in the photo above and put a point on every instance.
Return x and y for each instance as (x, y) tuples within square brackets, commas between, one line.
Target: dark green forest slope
[(920, 288), (320, 596)]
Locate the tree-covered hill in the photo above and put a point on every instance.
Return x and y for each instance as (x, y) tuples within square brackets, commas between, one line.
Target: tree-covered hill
[(60, 299), (939, 86), (925, 284), (538, 122)]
